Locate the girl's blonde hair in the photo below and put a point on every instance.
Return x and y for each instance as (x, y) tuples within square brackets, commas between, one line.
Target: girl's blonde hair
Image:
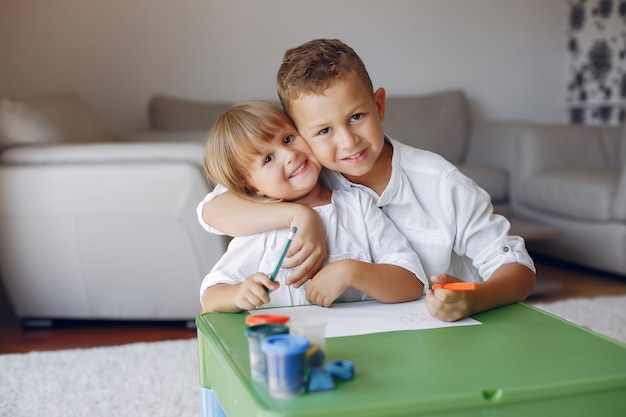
[(230, 144)]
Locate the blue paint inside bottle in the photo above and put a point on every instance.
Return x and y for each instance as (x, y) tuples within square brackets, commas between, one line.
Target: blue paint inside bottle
[(285, 364)]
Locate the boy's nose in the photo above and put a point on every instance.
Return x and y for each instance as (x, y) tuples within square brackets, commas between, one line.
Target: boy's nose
[(347, 139)]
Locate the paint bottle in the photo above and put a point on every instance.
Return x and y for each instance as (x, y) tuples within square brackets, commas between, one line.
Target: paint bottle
[(285, 364), (256, 334)]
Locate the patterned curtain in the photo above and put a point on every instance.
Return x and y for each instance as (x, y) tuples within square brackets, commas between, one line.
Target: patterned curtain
[(597, 54)]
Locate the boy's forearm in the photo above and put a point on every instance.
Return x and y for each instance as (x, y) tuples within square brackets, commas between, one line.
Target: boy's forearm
[(387, 283), (235, 216), (509, 284)]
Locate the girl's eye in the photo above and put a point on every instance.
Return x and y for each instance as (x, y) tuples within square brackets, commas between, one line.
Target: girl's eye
[(324, 131), (268, 159), (357, 116), (288, 139)]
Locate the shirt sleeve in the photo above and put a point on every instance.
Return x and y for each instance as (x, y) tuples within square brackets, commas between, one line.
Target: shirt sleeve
[(218, 190), (241, 259), (482, 235)]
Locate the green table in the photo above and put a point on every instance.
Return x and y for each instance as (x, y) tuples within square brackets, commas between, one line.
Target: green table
[(519, 362)]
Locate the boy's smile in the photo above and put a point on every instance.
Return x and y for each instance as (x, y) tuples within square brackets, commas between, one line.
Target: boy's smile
[(358, 157), (343, 127)]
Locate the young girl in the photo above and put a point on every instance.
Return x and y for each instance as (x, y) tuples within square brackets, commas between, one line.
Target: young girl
[(255, 151)]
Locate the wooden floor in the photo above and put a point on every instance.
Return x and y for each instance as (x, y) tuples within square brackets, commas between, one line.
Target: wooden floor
[(557, 281)]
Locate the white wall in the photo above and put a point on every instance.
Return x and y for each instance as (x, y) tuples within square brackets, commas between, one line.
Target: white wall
[(509, 56)]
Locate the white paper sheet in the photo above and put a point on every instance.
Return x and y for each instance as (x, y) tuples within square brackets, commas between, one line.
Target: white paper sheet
[(365, 317)]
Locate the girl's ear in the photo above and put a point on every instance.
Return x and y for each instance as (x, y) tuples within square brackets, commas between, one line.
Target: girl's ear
[(380, 96), (257, 192), (251, 191)]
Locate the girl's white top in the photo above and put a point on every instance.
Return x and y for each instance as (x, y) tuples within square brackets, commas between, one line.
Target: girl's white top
[(355, 229)]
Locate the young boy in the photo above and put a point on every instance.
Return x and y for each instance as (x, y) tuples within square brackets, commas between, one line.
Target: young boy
[(448, 220), (254, 150)]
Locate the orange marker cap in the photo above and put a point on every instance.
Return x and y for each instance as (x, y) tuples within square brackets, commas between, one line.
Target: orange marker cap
[(457, 286), (253, 320)]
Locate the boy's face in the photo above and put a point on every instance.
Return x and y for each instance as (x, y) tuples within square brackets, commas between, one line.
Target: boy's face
[(343, 126), (285, 167)]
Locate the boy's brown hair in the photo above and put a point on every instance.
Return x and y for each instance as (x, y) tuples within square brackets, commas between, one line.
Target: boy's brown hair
[(230, 144), (314, 66)]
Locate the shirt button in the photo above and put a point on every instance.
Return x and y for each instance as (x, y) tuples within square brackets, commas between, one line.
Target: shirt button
[(505, 249)]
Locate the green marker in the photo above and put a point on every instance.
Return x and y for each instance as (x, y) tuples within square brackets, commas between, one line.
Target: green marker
[(282, 255)]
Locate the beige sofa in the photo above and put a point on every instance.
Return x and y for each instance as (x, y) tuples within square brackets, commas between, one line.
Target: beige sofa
[(573, 178), (96, 228), (100, 227)]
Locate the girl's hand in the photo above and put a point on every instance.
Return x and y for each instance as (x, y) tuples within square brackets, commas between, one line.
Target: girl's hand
[(449, 305), (307, 252), (330, 282), (252, 292)]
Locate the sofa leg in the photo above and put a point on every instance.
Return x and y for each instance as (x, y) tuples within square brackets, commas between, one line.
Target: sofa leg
[(37, 323)]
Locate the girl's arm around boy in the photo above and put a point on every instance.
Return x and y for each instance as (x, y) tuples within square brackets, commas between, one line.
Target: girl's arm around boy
[(308, 250)]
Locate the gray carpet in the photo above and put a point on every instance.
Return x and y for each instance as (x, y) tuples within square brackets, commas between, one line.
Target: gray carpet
[(604, 315), (161, 379), (142, 379)]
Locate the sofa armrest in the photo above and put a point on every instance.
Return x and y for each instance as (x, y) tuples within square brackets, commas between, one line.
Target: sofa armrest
[(103, 153), (561, 146), (112, 240)]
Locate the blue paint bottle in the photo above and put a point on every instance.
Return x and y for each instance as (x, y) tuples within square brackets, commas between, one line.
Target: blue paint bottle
[(256, 334), (285, 364)]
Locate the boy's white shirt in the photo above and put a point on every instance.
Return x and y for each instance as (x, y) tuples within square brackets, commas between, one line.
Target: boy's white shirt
[(355, 229), (446, 217)]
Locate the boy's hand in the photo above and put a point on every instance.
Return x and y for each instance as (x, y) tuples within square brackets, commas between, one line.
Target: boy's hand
[(449, 305), (252, 292), (307, 252), (329, 283)]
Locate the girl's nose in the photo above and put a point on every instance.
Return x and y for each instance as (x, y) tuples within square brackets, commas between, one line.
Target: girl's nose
[(290, 156)]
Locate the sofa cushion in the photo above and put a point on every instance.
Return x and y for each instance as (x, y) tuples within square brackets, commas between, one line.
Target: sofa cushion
[(493, 180), (583, 193), (437, 122), (171, 113), (49, 119)]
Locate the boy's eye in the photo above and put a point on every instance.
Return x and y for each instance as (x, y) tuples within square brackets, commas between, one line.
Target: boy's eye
[(288, 139), (357, 116), (268, 159), (324, 131)]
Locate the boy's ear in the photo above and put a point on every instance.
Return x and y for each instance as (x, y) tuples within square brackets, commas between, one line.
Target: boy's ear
[(379, 98)]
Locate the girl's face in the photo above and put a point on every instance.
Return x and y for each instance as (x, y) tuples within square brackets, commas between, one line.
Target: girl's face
[(285, 167)]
